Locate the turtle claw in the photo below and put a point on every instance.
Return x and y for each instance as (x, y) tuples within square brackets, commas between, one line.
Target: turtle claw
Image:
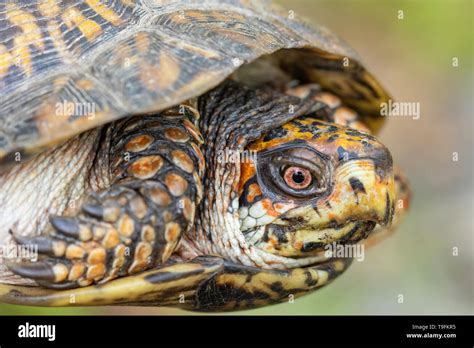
[(94, 210), (66, 226), (45, 245), (34, 270), (69, 258), (45, 273), (127, 228), (57, 286), (56, 273), (86, 249)]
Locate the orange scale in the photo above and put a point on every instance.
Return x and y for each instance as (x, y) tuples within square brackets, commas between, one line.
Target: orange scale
[(268, 206), (254, 191), (247, 171)]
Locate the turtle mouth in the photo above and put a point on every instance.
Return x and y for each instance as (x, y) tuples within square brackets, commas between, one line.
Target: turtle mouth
[(306, 243), (256, 239), (344, 217)]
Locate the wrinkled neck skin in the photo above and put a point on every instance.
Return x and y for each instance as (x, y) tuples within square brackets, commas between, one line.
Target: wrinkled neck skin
[(232, 116)]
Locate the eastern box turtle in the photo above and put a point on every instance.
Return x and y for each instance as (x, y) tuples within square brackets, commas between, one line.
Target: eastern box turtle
[(197, 154)]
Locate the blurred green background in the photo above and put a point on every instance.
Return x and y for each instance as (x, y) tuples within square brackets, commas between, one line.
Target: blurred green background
[(412, 57)]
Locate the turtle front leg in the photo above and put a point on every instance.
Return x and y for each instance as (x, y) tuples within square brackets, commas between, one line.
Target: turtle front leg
[(156, 167)]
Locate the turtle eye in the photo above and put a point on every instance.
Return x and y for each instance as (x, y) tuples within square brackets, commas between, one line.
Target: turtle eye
[(297, 177), (293, 171)]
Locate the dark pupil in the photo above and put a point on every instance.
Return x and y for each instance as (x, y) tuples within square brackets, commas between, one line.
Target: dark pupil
[(298, 177)]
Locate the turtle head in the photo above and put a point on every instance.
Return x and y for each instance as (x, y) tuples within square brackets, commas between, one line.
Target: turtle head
[(309, 183)]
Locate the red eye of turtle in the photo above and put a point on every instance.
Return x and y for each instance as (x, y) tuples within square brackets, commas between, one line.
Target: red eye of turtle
[(297, 178)]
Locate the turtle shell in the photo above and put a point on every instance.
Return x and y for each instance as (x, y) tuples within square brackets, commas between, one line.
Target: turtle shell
[(127, 57)]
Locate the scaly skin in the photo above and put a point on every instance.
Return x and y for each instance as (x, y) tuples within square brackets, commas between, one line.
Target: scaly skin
[(137, 222), (352, 188), (342, 115), (262, 270), (54, 182)]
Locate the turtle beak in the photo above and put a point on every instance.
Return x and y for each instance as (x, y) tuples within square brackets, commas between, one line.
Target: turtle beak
[(363, 191), (363, 181), (362, 195), (357, 193)]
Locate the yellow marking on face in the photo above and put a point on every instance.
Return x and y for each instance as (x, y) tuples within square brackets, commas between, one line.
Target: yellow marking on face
[(326, 236), (346, 203), (6, 60), (74, 18), (352, 143), (49, 8), (343, 200), (293, 133), (108, 14)]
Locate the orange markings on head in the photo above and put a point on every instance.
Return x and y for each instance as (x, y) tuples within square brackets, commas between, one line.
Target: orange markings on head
[(274, 241), (247, 170), (298, 245), (254, 191), (282, 207), (293, 133), (268, 206)]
